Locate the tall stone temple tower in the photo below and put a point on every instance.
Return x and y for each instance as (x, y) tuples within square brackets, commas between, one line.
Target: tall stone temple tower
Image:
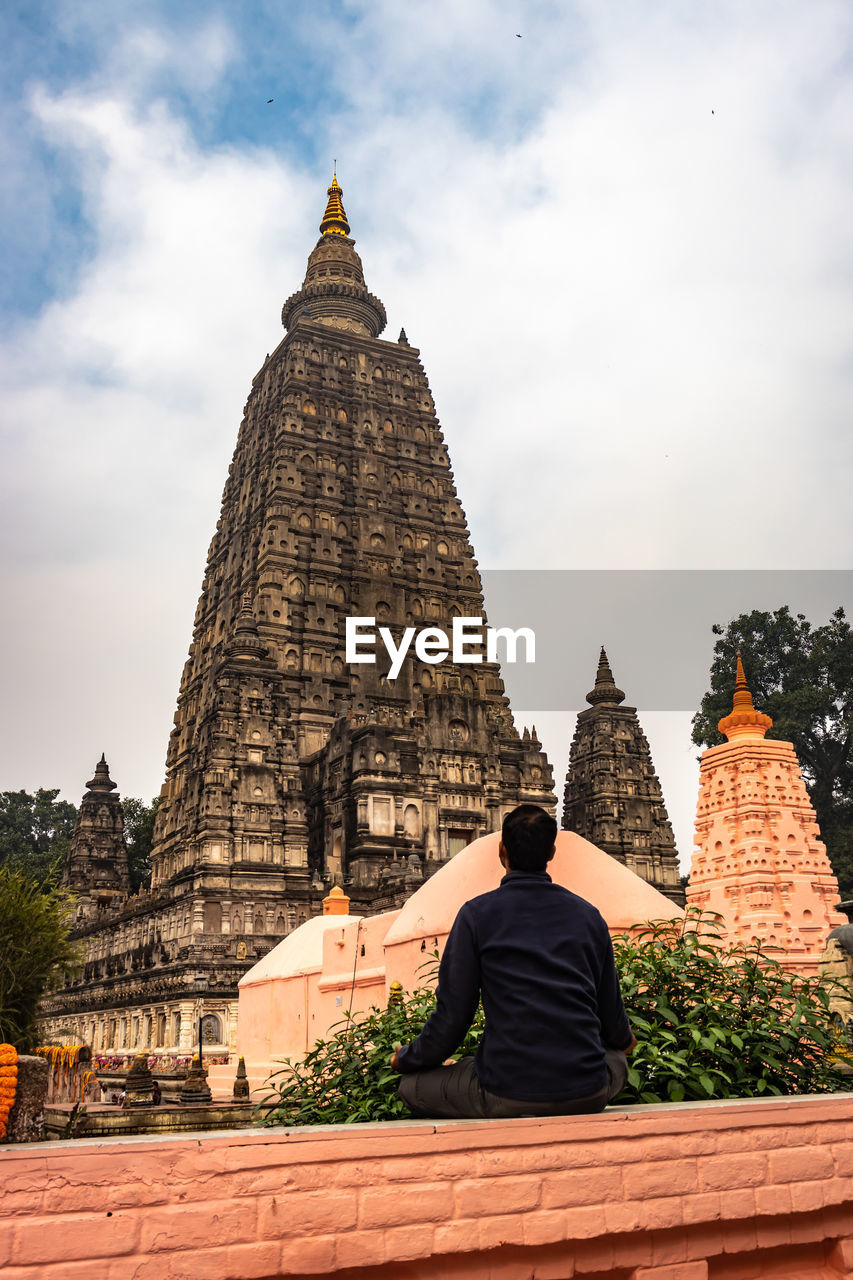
[(291, 766), (612, 796), (758, 859)]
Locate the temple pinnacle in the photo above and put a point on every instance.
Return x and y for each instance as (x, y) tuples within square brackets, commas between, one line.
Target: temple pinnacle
[(605, 687), (246, 641), (334, 219), (743, 721), (102, 780)]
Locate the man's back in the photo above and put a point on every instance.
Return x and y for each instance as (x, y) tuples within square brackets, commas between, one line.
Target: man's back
[(540, 957), (542, 960), (549, 993)]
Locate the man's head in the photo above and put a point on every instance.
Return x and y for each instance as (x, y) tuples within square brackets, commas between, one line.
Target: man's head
[(528, 837)]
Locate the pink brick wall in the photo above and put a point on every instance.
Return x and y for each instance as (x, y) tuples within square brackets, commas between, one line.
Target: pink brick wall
[(719, 1191)]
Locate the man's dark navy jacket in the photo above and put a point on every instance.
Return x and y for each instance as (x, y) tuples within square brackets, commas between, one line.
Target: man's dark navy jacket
[(542, 959)]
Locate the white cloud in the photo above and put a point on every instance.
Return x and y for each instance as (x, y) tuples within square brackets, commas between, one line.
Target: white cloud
[(621, 242)]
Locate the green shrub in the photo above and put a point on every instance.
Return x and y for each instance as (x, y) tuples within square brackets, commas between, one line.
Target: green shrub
[(712, 1022), (721, 1022), (347, 1078)]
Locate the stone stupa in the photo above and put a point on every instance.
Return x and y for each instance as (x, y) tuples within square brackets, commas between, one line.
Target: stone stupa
[(612, 796)]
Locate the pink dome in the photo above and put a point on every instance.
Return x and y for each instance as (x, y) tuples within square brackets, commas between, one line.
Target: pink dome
[(622, 897)]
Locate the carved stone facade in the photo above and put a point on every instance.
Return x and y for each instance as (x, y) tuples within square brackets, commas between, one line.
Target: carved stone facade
[(612, 796), (758, 859), (290, 766)]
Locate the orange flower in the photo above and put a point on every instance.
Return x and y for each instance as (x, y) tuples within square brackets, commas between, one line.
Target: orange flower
[(8, 1083)]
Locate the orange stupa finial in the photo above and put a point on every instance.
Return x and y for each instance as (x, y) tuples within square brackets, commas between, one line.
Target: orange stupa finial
[(337, 903), (743, 721)]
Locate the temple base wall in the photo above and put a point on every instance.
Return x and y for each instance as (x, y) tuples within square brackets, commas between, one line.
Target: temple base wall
[(711, 1191), (166, 1029)]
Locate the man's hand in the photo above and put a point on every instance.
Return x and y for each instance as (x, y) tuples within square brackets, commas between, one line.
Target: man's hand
[(394, 1056), (632, 1045)]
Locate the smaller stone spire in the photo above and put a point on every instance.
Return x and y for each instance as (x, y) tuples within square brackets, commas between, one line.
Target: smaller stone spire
[(743, 721), (605, 688), (96, 862), (247, 641), (102, 780), (334, 219)]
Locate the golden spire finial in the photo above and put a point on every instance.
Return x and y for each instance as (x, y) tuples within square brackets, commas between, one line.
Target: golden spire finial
[(743, 721), (334, 219)]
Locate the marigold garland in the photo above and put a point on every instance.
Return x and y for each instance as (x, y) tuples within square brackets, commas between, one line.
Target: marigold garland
[(8, 1083), (85, 1080), (65, 1061)]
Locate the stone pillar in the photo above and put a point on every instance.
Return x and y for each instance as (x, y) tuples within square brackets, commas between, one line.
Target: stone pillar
[(198, 916), (186, 1041), (195, 1090), (26, 1119), (139, 1088)]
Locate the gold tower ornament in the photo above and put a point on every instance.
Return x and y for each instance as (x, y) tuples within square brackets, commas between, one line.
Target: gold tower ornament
[(334, 219)]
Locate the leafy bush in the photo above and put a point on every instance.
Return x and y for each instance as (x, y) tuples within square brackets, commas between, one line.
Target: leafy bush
[(347, 1078), (721, 1022), (712, 1022), (35, 951)]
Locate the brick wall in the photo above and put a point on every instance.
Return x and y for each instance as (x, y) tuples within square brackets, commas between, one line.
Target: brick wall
[(716, 1191)]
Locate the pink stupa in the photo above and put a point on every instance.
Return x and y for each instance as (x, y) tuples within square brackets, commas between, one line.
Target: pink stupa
[(758, 859)]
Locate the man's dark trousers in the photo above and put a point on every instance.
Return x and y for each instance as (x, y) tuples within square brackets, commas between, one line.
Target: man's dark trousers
[(455, 1093)]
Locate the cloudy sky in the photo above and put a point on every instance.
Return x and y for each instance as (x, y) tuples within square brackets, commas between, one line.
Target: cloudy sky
[(620, 234)]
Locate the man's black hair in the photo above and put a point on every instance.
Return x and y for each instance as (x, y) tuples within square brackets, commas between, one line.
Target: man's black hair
[(528, 834)]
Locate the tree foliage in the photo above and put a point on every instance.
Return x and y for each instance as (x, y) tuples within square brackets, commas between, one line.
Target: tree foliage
[(35, 832), (35, 951), (712, 1022), (139, 837), (801, 676)]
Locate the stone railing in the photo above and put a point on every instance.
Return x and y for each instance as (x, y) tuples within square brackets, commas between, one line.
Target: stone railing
[(708, 1191)]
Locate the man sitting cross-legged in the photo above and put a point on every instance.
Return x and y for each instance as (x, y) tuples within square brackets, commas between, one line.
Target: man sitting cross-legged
[(556, 1033)]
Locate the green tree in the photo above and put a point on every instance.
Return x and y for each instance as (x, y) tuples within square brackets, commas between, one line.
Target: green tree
[(35, 951), (801, 676), (35, 832), (139, 837)]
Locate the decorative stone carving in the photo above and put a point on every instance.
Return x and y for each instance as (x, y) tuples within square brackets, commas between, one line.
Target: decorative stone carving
[(139, 1086), (241, 1091), (758, 859), (195, 1090)]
